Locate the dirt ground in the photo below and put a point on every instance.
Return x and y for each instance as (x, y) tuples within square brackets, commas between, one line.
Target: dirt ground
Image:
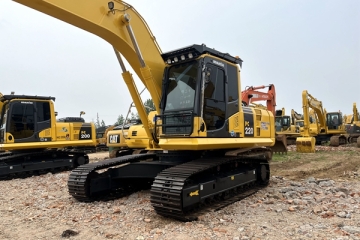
[(310, 196), (327, 162)]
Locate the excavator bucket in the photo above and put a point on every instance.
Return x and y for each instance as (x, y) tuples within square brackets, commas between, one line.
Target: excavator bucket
[(305, 144), (280, 146)]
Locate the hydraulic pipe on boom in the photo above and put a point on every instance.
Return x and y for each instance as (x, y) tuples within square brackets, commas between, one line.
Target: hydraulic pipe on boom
[(136, 96), (145, 70)]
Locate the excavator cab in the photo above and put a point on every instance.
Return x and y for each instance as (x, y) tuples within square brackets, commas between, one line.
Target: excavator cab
[(282, 123), (22, 119), (334, 120), (201, 100)]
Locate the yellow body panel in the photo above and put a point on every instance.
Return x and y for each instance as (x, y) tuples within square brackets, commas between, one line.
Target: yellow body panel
[(116, 138), (57, 144), (213, 143), (58, 135)]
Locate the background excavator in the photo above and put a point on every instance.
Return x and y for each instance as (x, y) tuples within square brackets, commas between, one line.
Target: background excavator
[(33, 140), (328, 127), (101, 138), (128, 138), (290, 126), (205, 146), (353, 127), (251, 95)]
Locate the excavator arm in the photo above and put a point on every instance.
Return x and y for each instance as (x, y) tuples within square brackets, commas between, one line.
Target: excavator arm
[(355, 113), (306, 143), (122, 26), (295, 116), (316, 105), (250, 94)]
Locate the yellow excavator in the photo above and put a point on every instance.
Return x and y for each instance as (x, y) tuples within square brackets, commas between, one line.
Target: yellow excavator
[(290, 126), (352, 127), (33, 140), (128, 138), (203, 144), (328, 127)]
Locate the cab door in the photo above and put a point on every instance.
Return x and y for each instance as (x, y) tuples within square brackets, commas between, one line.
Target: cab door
[(214, 99), (20, 121), (26, 119)]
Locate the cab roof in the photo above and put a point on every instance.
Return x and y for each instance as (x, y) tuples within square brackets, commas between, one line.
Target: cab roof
[(197, 50), (27, 97)]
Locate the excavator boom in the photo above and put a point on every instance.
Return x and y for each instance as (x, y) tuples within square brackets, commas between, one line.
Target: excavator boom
[(137, 44)]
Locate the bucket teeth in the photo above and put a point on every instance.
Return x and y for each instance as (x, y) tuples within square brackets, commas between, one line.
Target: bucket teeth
[(305, 144)]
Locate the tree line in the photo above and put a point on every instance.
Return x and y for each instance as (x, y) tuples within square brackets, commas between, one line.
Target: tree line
[(149, 106)]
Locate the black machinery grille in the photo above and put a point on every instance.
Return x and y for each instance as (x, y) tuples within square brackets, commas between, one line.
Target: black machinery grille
[(176, 123)]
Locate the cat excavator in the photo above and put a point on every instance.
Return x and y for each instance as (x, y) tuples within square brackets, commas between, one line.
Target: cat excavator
[(33, 140), (329, 126), (128, 138), (204, 146)]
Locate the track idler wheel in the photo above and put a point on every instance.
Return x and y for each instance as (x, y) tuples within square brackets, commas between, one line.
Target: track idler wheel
[(358, 142), (81, 160), (263, 172), (335, 141)]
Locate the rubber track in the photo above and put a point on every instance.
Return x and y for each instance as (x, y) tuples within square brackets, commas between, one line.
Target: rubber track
[(249, 190), (79, 177), (6, 157), (166, 191), (3, 154)]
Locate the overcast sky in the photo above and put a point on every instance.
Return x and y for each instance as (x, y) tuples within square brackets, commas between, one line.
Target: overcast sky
[(296, 45)]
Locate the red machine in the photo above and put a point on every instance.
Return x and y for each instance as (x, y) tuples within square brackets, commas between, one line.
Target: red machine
[(250, 94)]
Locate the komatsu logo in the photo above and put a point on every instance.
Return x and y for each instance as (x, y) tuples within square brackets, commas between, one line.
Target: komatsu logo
[(218, 63), (27, 102)]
